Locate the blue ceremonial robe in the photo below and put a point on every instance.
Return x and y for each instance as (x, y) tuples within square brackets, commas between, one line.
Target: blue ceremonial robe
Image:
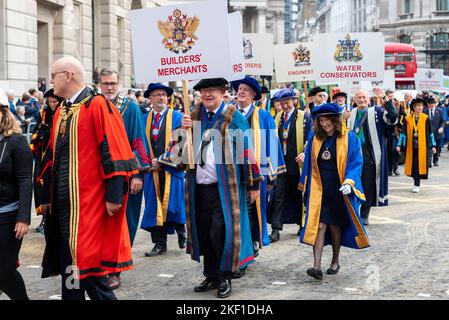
[(233, 179), (269, 157), (349, 166), (378, 119), (170, 206), (445, 110), (132, 117)]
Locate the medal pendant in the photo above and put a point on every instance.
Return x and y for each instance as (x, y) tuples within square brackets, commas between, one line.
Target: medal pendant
[(326, 155), (63, 127), (155, 132), (357, 130), (415, 135), (285, 135)]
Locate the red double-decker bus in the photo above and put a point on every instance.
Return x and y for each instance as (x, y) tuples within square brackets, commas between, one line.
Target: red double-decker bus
[(401, 58)]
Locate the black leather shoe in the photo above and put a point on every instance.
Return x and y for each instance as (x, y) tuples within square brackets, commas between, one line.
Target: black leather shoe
[(436, 164), (317, 274), (224, 289), (274, 236), (156, 251), (365, 221), (333, 271), (239, 274), (256, 249), (182, 240), (396, 173), (299, 231), (206, 285)]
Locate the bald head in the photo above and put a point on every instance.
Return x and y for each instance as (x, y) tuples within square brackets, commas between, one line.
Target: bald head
[(361, 99), (67, 77)]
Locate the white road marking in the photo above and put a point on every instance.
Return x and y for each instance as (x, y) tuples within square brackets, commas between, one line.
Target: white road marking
[(424, 295), (33, 267), (385, 220), (165, 275), (447, 292), (351, 289), (55, 297), (280, 283)]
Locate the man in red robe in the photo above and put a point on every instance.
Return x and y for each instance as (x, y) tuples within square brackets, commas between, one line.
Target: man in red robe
[(86, 233)]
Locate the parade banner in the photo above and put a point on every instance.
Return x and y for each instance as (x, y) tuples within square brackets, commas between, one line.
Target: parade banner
[(428, 79), (235, 29), (181, 42), (258, 54), (340, 57), (293, 62), (388, 82)]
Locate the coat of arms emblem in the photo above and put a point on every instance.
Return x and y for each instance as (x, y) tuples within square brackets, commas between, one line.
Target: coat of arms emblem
[(429, 74), (348, 50), (301, 55), (179, 31)]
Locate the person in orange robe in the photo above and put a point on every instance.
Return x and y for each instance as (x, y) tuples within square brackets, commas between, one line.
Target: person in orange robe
[(86, 231)]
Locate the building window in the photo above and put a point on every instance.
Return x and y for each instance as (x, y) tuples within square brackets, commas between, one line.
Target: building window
[(440, 41), (440, 61), (405, 39), (442, 5), (408, 6)]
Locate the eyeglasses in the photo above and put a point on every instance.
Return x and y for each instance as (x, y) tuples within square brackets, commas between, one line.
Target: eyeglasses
[(107, 84), (53, 74)]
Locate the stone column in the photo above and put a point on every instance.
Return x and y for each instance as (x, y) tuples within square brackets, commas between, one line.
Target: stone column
[(261, 21)]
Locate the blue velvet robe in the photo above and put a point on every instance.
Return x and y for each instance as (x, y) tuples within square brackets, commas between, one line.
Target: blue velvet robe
[(349, 166), (233, 180), (269, 157), (132, 117), (170, 206)]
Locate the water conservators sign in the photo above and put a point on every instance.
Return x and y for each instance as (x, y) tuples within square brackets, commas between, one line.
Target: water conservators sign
[(181, 42), (293, 62), (349, 56)]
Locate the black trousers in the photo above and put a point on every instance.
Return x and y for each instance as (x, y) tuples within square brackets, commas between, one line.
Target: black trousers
[(211, 230), (159, 234), (287, 202), (253, 220), (97, 288), (368, 182), (393, 156), (415, 169), (11, 281)]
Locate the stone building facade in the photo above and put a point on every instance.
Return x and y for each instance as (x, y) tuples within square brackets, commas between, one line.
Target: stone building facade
[(35, 33), (422, 23)]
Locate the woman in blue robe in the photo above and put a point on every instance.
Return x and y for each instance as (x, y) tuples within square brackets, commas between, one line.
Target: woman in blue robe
[(331, 182)]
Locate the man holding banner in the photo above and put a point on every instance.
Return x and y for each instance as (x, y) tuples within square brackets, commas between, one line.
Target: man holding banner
[(370, 125), (217, 212), (267, 151), (294, 127)]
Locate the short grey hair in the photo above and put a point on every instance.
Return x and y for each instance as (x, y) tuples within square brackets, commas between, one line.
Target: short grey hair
[(105, 72), (9, 92)]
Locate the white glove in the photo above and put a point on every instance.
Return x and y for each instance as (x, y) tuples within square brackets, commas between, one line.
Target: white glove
[(346, 189)]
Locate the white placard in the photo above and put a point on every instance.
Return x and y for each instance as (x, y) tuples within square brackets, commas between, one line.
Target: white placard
[(181, 42), (235, 30), (428, 79), (293, 62), (258, 54), (343, 57)]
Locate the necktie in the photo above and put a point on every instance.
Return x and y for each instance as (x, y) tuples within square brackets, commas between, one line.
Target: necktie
[(156, 126), (205, 143), (286, 117), (242, 111)]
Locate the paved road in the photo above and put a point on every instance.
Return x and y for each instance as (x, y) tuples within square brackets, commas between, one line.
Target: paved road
[(408, 258)]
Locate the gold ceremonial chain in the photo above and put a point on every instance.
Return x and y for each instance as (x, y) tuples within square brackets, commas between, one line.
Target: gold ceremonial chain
[(65, 116), (415, 126)]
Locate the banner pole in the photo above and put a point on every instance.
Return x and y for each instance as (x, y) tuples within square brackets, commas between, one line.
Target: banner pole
[(306, 93), (185, 98)]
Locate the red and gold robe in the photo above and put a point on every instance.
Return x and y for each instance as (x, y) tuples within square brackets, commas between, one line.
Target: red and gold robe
[(99, 150)]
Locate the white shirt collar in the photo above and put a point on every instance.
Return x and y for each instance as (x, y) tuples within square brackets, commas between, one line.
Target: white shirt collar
[(246, 109), (162, 112), (73, 99), (290, 113)]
